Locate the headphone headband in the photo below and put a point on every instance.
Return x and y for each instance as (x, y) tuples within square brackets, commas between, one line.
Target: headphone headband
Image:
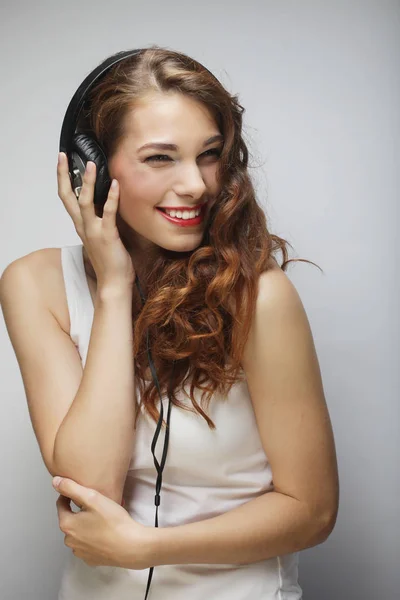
[(78, 99), (81, 147)]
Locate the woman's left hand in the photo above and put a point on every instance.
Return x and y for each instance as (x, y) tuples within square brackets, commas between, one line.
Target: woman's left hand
[(102, 533)]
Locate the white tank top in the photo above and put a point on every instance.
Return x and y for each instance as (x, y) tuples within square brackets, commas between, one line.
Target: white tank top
[(206, 473)]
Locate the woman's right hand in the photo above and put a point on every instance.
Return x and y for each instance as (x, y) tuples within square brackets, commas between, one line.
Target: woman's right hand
[(110, 259)]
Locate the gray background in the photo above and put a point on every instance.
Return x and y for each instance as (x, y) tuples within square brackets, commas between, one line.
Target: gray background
[(320, 84)]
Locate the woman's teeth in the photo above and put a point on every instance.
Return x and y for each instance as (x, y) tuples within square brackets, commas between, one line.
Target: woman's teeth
[(186, 214)]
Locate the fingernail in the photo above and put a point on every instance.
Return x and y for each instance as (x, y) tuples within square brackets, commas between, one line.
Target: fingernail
[(60, 158), (56, 481)]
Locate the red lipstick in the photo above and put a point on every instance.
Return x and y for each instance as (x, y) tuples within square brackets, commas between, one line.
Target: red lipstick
[(185, 222)]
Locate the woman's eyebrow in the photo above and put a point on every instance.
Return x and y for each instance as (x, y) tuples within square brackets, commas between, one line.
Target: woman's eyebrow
[(164, 146)]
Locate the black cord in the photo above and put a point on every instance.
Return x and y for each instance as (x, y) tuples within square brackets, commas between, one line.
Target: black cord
[(159, 467)]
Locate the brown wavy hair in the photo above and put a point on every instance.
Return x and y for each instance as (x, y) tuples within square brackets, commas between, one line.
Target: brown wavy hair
[(199, 304)]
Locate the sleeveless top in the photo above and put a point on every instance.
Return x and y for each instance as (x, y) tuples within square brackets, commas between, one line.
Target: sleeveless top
[(206, 473)]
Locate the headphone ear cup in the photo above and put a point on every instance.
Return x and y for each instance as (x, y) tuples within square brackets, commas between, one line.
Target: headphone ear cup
[(86, 148)]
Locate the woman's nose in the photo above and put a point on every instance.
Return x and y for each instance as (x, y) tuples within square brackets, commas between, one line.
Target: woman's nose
[(190, 182)]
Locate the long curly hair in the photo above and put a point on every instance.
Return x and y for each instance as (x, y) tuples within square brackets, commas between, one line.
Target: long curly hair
[(199, 304)]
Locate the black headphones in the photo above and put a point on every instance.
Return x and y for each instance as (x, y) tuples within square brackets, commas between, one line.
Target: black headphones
[(80, 148)]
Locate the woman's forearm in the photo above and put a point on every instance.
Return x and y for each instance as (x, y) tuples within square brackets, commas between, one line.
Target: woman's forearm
[(94, 442), (270, 525)]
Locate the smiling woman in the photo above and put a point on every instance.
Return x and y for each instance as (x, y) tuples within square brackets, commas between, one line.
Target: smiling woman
[(250, 477)]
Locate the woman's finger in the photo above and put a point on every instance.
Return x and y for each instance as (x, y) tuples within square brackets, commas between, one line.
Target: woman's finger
[(63, 510), (86, 203), (110, 207)]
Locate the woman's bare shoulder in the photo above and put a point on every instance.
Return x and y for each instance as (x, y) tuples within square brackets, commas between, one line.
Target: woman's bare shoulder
[(45, 273)]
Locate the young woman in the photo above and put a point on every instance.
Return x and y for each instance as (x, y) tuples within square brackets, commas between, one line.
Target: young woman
[(250, 477)]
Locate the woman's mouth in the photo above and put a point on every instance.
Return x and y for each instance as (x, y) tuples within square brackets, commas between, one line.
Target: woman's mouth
[(197, 220)]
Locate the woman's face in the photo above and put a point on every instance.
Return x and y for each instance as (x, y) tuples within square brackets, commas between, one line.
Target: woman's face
[(155, 177)]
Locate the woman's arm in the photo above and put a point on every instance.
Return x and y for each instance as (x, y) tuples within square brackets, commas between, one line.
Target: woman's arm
[(83, 419), (269, 525), (94, 443)]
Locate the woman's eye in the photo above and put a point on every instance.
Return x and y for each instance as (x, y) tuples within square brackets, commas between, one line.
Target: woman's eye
[(156, 156), (214, 152), (164, 157)]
